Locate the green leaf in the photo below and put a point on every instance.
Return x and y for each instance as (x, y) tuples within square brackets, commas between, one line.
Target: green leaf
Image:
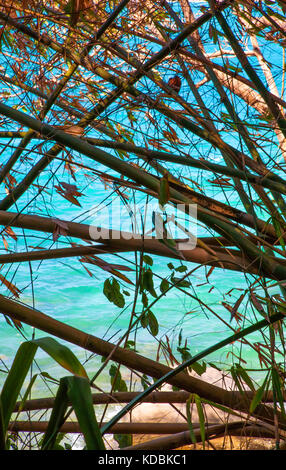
[(147, 281), (111, 290), (279, 231), (15, 379), (57, 417), (153, 323), (76, 390), (199, 368), (164, 286), (258, 395), (27, 392), (118, 385), (181, 283), (124, 440), (201, 418), (278, 390), (189, 418), (185, 354), (181, 269), (79, 394), (21, 365), (144, 300), (61, 354), (245, 377), (148, 260), (2, 428), (144, 321), (144, 381), (164, 192)]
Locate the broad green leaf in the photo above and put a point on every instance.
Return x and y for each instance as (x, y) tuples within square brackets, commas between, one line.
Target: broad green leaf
[(61, 354), (124, 440), (22, 363), (15, 379), (199, 368), (245, 377), (147, 282), (181, 269), (148, 260), (80, 396), (144, 300), (118, 384), (181, 282), (111, 290), (27, 392), (144, 320), (57, 416)]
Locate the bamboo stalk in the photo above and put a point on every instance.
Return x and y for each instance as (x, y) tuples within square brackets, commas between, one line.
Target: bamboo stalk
[(119, 428), (271, 181), (116, 398), (212, 432), (118, 241), (110, 398)]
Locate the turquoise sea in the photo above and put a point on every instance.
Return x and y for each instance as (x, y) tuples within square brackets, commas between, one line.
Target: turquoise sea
[(63, 289)]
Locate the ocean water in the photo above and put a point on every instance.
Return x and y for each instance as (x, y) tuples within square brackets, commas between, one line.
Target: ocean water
[(63, 289)]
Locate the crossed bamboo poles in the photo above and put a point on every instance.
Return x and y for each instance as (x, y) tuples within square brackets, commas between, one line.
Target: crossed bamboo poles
[(253, 257)]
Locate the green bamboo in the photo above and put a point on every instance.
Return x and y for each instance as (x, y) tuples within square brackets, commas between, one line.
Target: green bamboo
[(224, 229)]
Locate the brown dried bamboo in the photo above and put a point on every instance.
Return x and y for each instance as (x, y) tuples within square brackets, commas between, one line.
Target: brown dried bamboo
[(118, 241), (212, 432), (125, 397), (120, 428)]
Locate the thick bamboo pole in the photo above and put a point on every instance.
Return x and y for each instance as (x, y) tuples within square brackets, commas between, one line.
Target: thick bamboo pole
[(111, 398), (119, 241), (116, 398), (212, 432), (119, 428)]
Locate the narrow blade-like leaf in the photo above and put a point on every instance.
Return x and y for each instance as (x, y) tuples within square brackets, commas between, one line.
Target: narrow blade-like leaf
[(80, 395)]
